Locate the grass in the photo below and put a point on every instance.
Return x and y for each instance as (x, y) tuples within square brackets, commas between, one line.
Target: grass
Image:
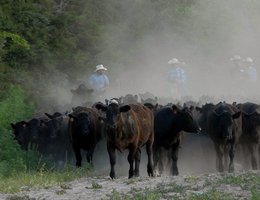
[(42, 179), (212, 194), (144, 195), (248, 181), (95, 186)]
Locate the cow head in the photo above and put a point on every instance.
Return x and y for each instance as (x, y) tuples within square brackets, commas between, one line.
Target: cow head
[(54, 125), (81, 123), (34, 129), (112, 112), (203, 113), (20, 130), (251, 121), (186, 119), (224, 120)]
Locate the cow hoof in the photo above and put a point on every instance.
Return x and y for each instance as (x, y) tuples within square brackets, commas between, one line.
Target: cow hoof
[(112, 175)]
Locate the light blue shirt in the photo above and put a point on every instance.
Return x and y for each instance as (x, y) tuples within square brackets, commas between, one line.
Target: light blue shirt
[(99, 82), (252, 74), (177, 75)]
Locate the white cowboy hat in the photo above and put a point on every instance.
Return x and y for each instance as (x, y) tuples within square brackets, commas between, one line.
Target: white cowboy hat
[(249, 60), (100, 67), (173, 61), (114, 101), (235, 58)]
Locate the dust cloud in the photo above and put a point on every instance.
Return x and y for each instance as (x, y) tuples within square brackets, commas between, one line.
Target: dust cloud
[(205, 37)]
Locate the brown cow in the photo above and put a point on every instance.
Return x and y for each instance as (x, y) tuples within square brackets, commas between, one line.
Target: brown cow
[(129, 127)]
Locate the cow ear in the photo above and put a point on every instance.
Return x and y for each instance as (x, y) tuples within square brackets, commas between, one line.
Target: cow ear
[(12, 125), (149, 105), (257, 111), (175, 109), (125, 108), (48, 115), (101, 107), (236, 115)]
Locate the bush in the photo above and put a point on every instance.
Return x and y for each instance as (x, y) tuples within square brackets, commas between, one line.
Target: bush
[(13, 108)]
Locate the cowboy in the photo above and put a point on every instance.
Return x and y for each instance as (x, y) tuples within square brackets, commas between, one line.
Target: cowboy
[(251, 70), (98, 81), (177, 76), (239, 70)]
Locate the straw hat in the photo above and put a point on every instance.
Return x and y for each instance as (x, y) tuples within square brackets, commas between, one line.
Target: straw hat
[(100, 67)]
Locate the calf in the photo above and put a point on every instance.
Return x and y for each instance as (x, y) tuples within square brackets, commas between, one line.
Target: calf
[(169, 122), (224, 128), (129, 127)]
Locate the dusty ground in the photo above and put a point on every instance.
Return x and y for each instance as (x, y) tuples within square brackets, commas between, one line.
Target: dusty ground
[(198, 180), (216, 186)]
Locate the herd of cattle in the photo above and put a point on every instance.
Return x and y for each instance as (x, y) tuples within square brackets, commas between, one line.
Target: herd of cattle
[(125, 123)]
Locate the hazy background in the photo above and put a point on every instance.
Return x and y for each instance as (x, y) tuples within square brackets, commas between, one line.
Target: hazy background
[(143, 35)]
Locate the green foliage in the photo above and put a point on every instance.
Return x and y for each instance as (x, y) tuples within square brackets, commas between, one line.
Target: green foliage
[(12, 109), (211, 195), (42, 179), (15, 38)]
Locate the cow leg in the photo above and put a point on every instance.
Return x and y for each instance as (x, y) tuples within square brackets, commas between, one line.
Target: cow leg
[(175, 151), (112, 156), (258, 147), (78, 156), (253, 151), (219, 160), (226, 149), (155, 157), (137, 162), (149, 147), (131, 158), (231, 156), (90, 155), (161, 160)]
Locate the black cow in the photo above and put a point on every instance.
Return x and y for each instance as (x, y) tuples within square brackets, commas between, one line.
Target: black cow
[(31, 134), (224, 128), (20, 131), (250, 138), (203, 115), (169, 122), (85, 132), (57, 136)]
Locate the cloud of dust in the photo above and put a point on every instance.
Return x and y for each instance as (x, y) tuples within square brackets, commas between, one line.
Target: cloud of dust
[(207, 36)]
